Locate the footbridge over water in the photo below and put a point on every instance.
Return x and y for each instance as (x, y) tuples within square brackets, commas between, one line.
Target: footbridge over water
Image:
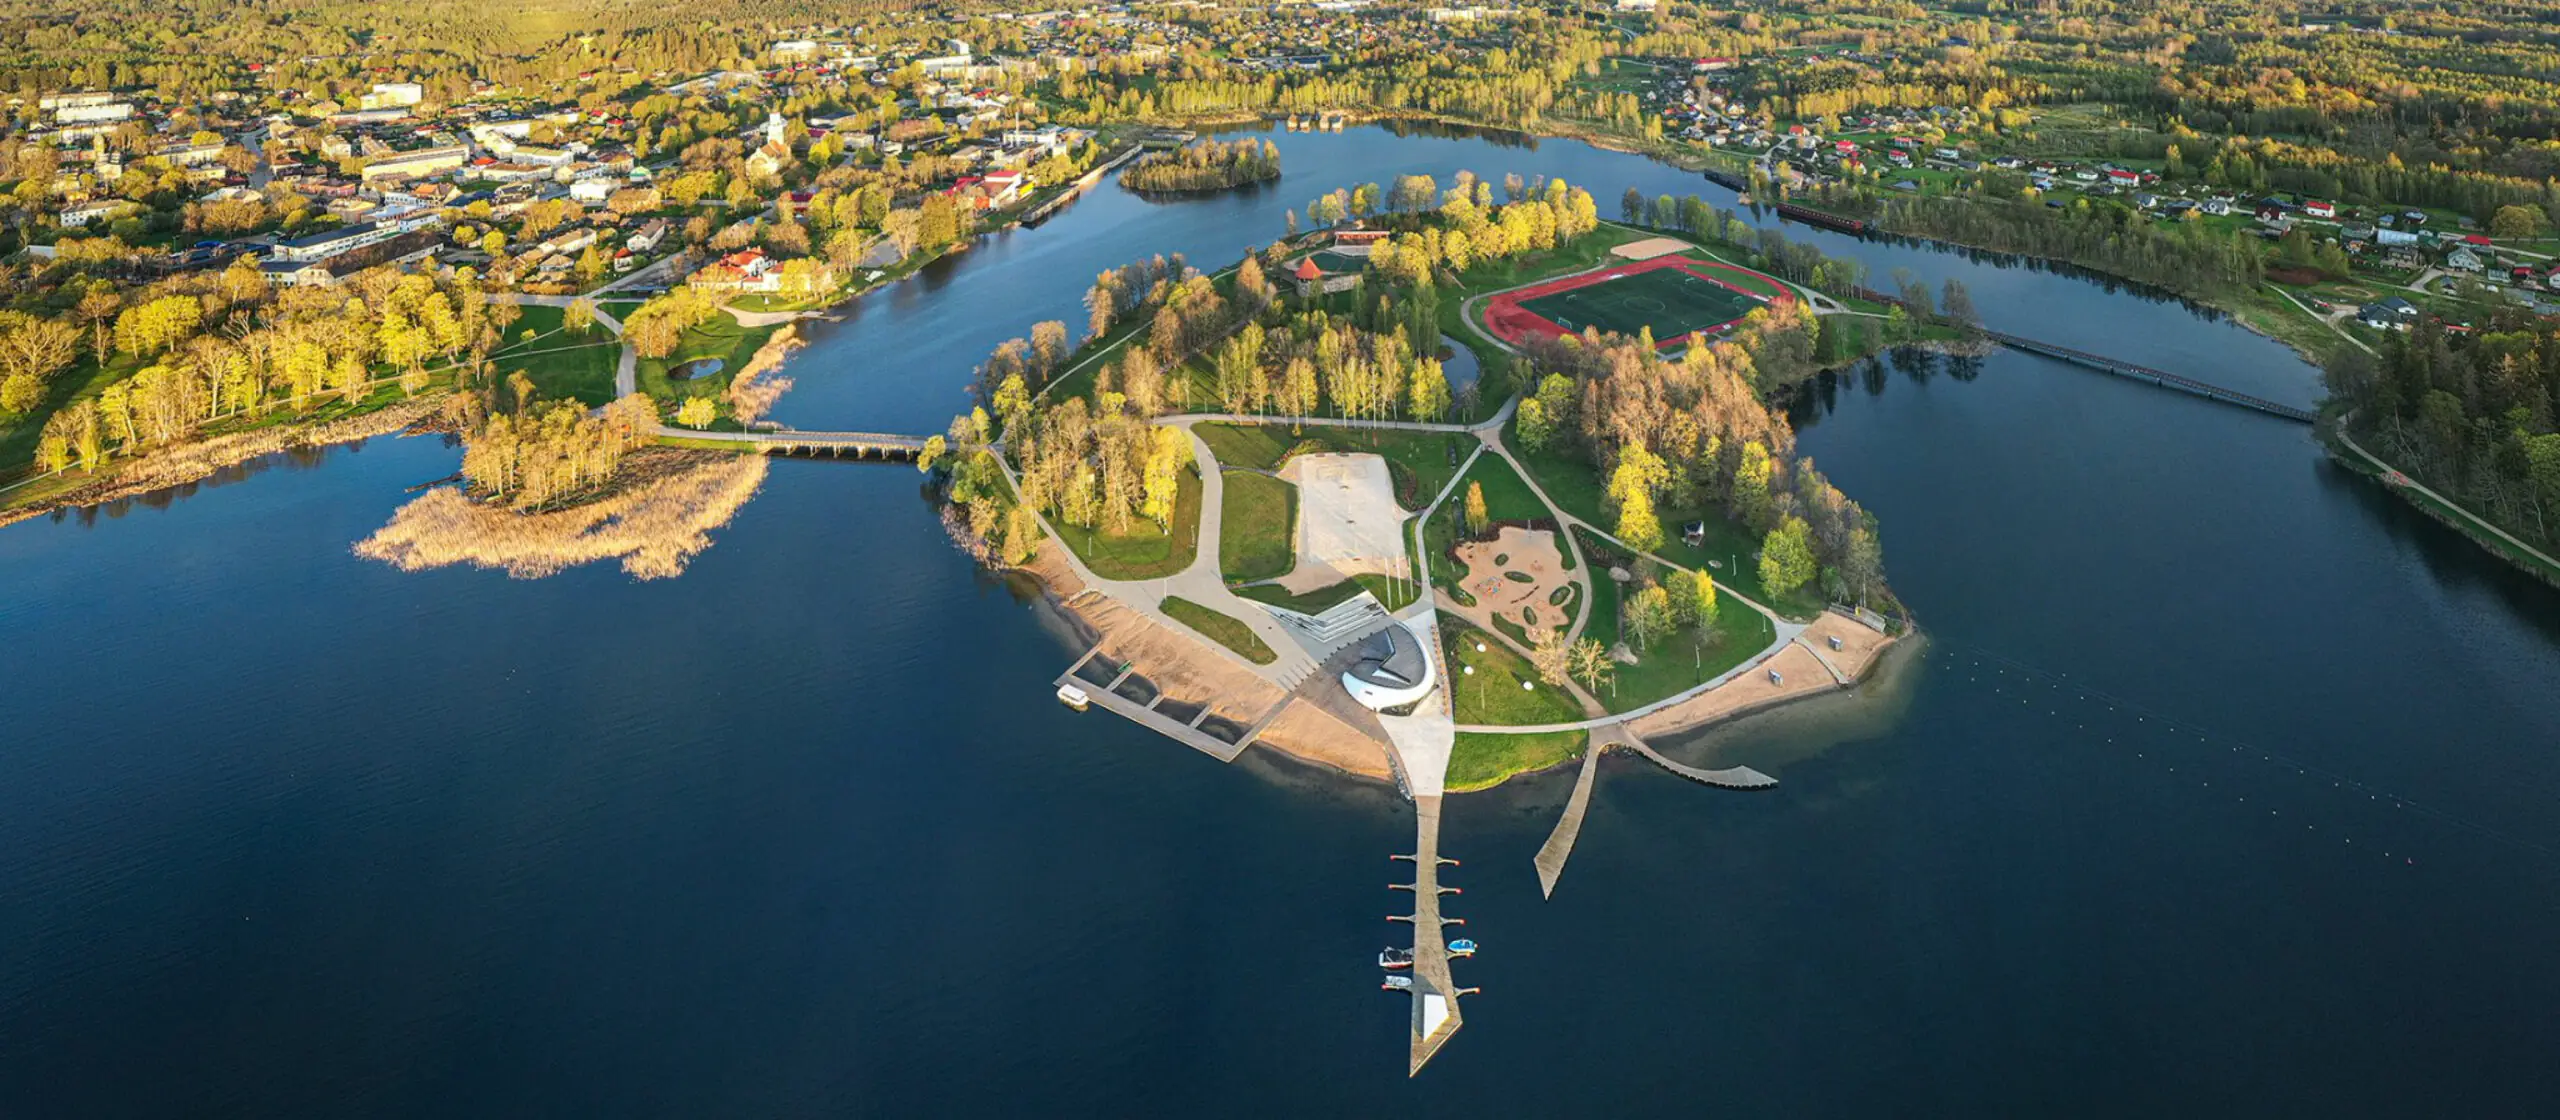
[(833, 445), (2121, 368), (2160, 377)]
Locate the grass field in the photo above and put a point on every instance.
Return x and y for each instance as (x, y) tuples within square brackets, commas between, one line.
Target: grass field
[(1317, 601), (1493, 693), (1229, 632), (563, 367), (1483, 760), (1670, 302), (1507, 496), (1726, 550), (721, 337), (1257, 530), (1419, 462), (1684, 660), (1142, 552)]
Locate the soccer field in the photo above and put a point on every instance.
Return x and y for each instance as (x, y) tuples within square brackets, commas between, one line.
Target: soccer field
[(1671, 302)]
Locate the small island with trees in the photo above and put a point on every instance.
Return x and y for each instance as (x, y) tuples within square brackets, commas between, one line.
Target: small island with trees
[(1204, 167)]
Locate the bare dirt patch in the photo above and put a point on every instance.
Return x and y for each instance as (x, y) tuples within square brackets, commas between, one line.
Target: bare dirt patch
[(1800, 673), (1859, 644), (1348, 520), (1650, 248)]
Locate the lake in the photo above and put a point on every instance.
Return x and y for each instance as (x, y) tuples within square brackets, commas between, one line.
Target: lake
[(2224, 781)]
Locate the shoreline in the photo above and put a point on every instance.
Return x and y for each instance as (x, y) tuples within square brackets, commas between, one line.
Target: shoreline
[(170, 468)]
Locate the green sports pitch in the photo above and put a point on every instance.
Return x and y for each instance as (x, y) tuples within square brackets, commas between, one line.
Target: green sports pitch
[(1670, 301)]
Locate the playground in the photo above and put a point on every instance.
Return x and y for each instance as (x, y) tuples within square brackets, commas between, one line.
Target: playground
[(1674, 296)]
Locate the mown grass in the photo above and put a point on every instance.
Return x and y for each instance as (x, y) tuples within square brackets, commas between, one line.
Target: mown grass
[(1481, 760), (1258, 527), (565, 369), (1143, 552), (1419, 463), (1685, 659), (1222, 629), (1507, 496), (719, 337), (1726, 549), (1493, 693), (1318, 601)]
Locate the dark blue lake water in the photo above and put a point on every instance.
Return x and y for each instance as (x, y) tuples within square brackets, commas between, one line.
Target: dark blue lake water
[(285, 832)]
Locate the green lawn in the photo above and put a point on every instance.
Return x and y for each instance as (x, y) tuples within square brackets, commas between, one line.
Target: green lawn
[(1420, 463), (1506, 496), (1493, 693), (1317, 601), (1682, 661), (1725, 550), (1393, 594), (1229, 632), (85, 378), (1257, 446), (1257, 530), (1143, 552), (563, 368), (1482, 760), (720, 337)]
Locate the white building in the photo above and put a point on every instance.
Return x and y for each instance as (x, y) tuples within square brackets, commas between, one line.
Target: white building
[(1393, 670), (392, 95)]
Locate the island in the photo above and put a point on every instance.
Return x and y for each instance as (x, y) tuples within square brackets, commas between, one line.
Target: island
[(1203, 167), (1273, 520)]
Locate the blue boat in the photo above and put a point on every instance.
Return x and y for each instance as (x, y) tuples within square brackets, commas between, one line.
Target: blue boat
[(1462, 947)]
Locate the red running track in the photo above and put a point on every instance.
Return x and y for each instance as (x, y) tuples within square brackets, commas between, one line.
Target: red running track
[(1516, 325)]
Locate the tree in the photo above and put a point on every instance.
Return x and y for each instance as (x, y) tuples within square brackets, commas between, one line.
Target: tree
[(1640, 474), (1429, 399), (2518, 223), (932, 452), (1592, 664), (697, 413), (1477, 517), (1649, 615), (1956, 304), (1786, 556), (1168, 452), (1693, 597), (1631, 207), (1552, 656)]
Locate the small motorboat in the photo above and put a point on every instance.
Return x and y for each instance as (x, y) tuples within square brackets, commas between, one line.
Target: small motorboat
[(1462, 947), (1395, 958), (1398, 983), (1073, 697)]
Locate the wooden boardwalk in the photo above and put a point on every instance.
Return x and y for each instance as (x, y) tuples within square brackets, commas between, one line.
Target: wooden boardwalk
[(1731, 777), (1148, 716), (1430, 944), (1559, 845)]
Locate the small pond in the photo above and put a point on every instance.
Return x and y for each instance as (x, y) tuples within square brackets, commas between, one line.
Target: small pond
[(695, 370)]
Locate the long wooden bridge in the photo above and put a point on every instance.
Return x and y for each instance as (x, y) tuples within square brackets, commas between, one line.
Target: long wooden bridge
[(2160, 377), (2121, 368), (833, 445)]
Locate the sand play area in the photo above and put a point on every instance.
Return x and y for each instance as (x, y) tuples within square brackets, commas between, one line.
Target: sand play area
[(1650, 248), (1515, 577), (1348, 520)]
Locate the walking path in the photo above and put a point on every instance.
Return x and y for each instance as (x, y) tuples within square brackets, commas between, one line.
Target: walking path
[(2393, 476)]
